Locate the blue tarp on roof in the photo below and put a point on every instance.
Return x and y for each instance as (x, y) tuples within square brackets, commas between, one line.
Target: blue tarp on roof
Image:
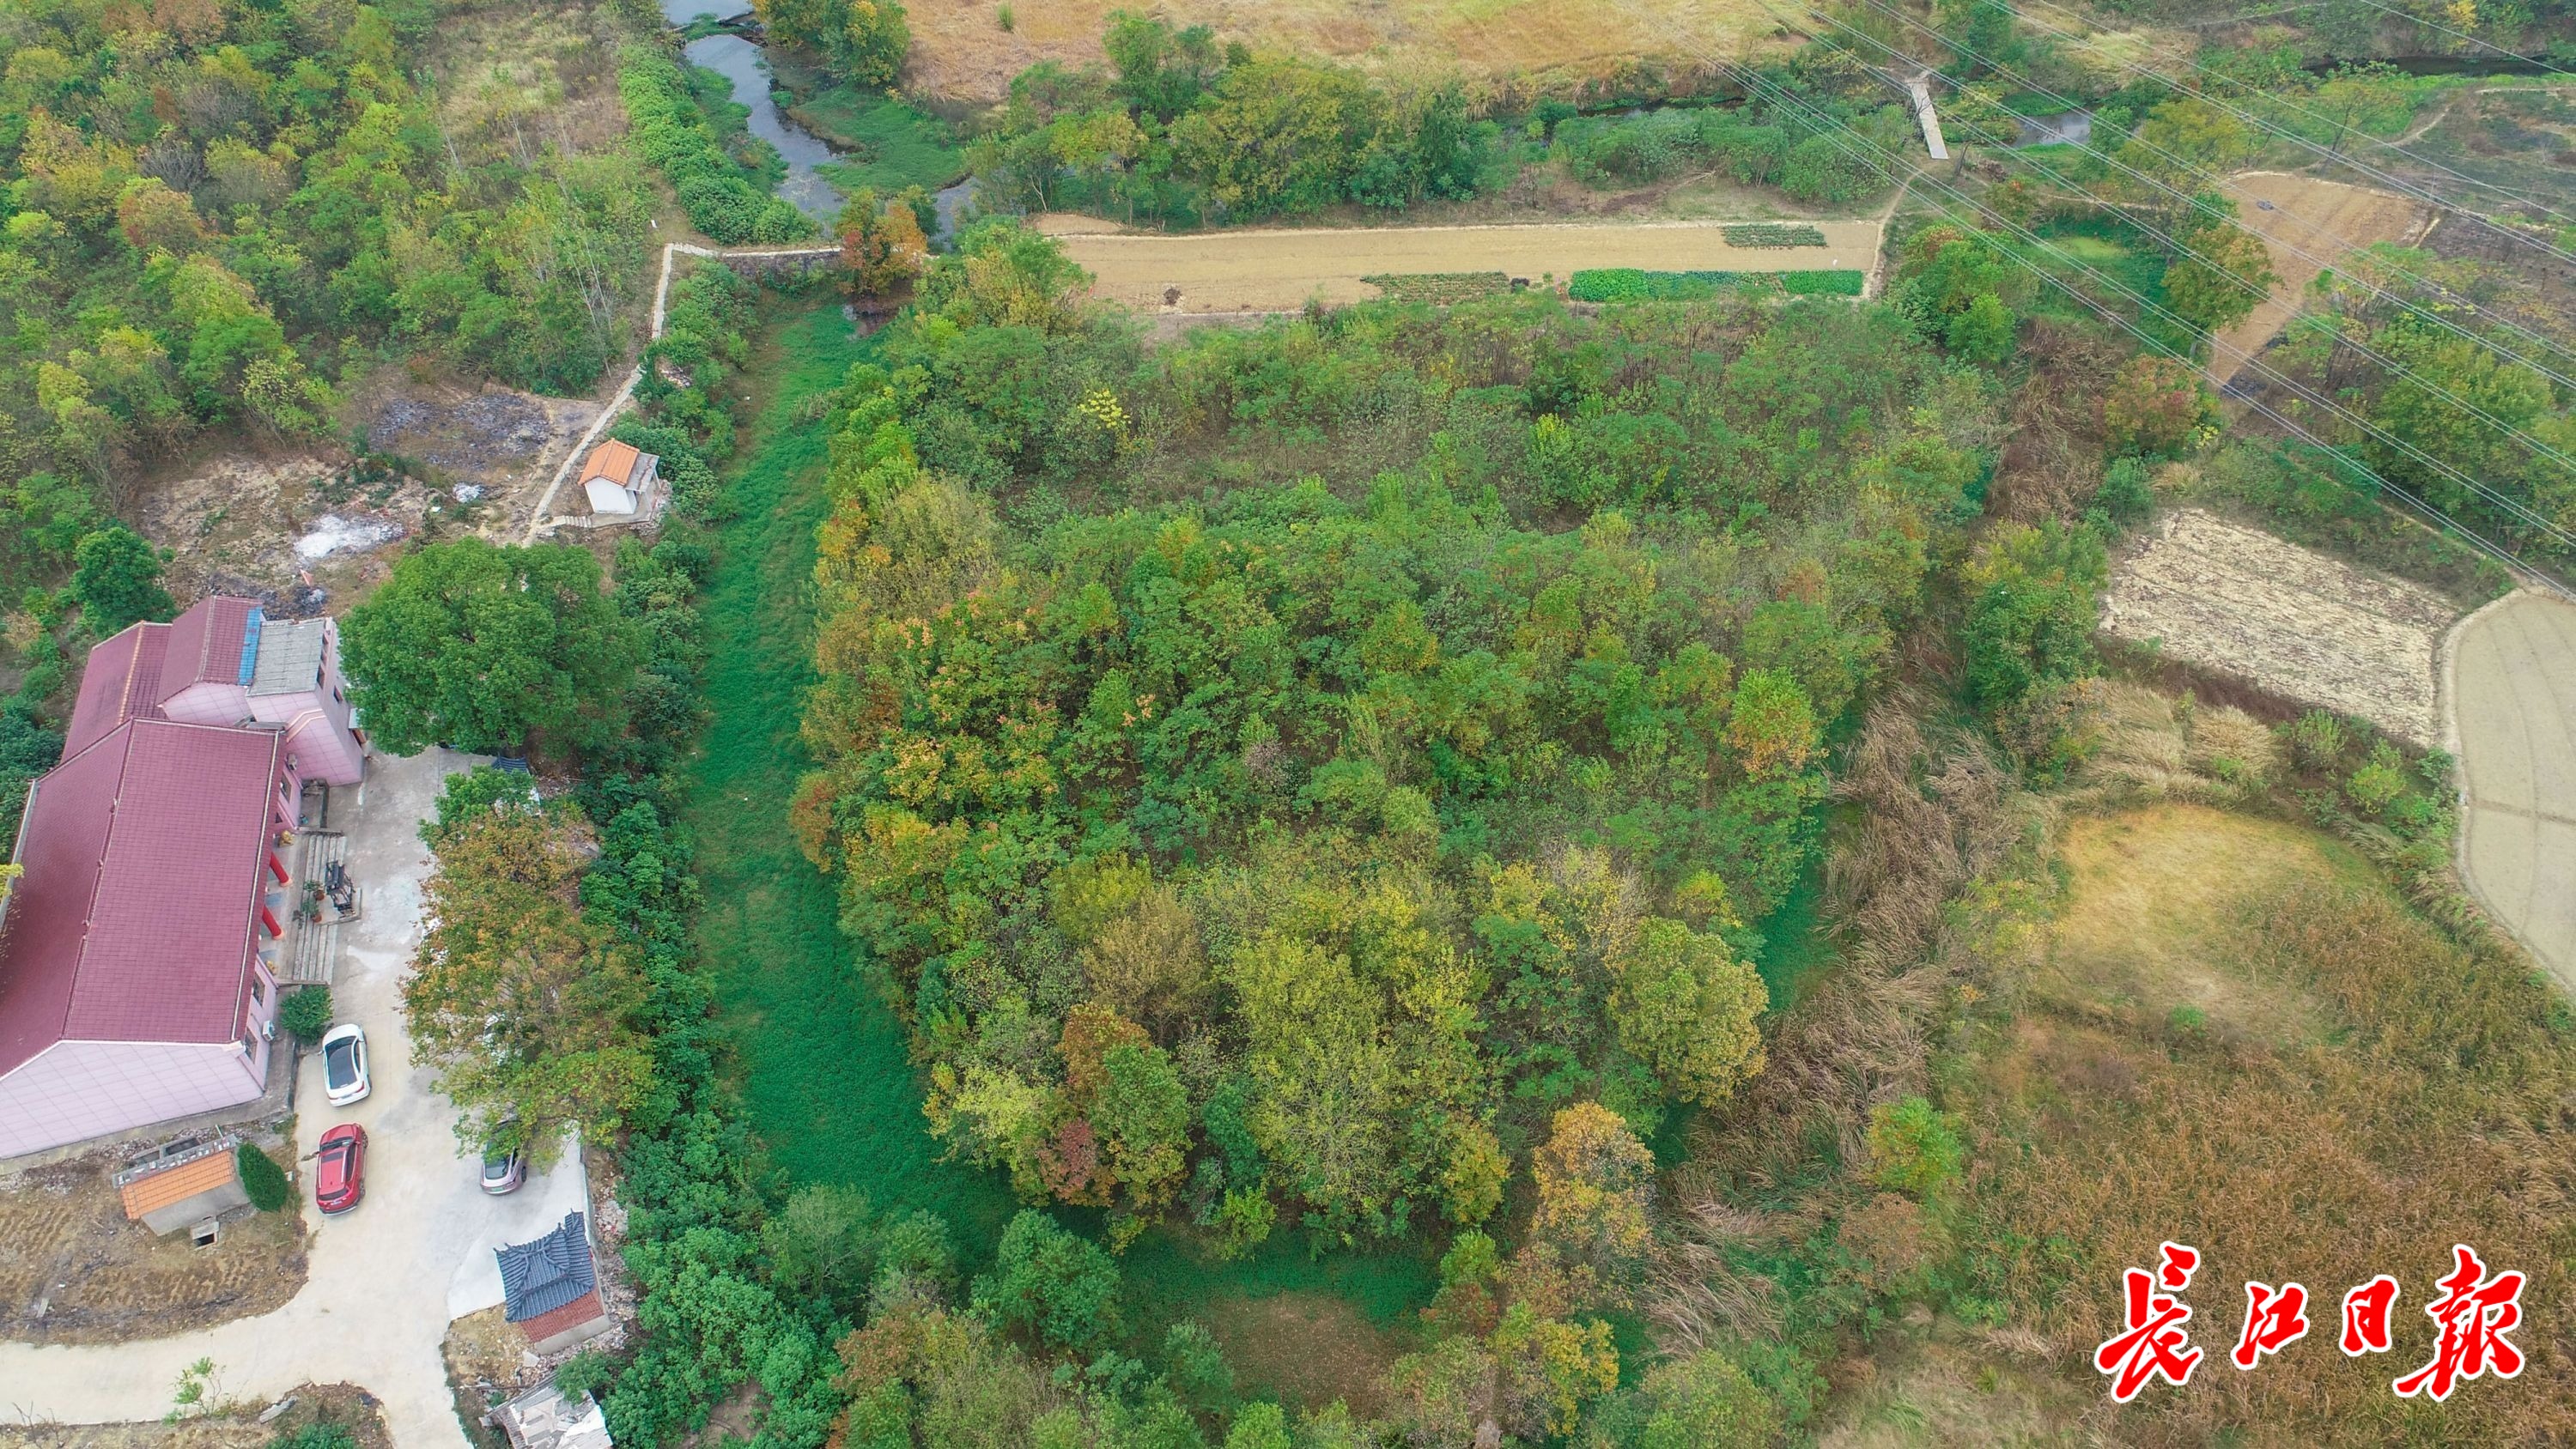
[(538, 1278)]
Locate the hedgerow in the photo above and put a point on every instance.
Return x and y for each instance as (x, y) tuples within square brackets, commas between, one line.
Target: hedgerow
[(667, 128)]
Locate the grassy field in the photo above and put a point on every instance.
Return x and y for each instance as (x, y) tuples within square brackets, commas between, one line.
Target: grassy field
[(2237, 1036), (892, 145), (961, 52), (820, 1061)]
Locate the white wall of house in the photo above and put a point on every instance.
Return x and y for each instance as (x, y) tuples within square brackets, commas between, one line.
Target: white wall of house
[(607, 495), (75, 1090)]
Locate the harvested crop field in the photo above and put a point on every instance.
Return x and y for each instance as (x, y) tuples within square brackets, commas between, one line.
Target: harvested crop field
[(2238, 602), (1278, 270), (74, 1270), (960, 52), (2324, 219), (347, 1406)]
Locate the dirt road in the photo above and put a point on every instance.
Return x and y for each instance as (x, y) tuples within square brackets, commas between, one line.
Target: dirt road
[(1277, 269), (2513, 721), (387, 1277), (2323, 219)]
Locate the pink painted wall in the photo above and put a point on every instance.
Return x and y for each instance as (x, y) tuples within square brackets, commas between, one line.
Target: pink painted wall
[(81, 1089), (316, 720)]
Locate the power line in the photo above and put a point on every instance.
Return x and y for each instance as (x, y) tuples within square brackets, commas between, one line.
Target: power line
[(2535, 445), (2393, 182), (2505, 324), (1834, 130)]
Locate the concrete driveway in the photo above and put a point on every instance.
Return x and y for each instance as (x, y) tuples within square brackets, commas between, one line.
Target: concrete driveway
[(2513, 724), (385, 1278)]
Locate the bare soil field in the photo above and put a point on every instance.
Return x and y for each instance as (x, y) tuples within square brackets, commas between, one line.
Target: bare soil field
[(961, 53), (2238, 602), (1278, 270), (280, 526), (347, 1405), (73, 1270), (2324, 219), (1309, 1349)]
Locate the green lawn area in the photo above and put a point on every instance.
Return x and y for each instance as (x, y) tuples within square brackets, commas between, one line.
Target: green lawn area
[(892, 145), (820, 1061)]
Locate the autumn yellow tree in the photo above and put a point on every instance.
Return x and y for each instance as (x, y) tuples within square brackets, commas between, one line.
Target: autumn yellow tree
[(528, 1012), (1596, 1189), (882, 248)]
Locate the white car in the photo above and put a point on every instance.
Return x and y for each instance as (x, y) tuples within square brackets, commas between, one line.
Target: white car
[(344, 1065)]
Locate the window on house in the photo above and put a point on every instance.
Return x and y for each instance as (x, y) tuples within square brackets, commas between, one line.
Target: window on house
[(258, 992)]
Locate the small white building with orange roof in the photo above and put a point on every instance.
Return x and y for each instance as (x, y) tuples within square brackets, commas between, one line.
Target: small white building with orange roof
[(619, 481)]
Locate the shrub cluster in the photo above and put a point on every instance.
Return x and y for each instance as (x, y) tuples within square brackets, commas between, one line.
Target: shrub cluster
[(1751, 146), (667, 128)]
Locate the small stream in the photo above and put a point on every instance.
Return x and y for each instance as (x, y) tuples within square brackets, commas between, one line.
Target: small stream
[(740, 62)]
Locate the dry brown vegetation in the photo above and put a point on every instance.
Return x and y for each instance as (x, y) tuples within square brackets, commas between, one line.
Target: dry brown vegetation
[(2153, 1008), (961, 53), (73, 1270), (346, 1405), (1935, 815), (1306, 1348), (2282, 1065)]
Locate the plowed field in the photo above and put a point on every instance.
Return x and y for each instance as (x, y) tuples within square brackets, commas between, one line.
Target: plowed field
[(2296, 623)]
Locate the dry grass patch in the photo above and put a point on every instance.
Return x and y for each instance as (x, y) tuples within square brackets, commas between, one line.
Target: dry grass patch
[(961, 53), (2158, 898), (2422, 1101), (1307, 1348)]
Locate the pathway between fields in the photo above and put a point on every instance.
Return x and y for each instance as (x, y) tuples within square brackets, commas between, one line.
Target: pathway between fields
[(1278, 269), (2512, 691), (384, 1279)]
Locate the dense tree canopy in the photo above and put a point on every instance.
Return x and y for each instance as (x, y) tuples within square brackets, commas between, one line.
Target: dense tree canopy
[(525, 1008), (1306, 842), (483, 647)]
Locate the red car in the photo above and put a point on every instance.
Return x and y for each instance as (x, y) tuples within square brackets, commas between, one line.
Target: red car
[(339, 1169)]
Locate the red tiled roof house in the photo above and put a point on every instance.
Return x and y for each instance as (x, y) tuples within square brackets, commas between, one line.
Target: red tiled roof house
[(224, 662), (133, 988)]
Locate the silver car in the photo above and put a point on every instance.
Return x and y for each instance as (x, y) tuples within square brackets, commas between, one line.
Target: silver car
[(504, 1168)]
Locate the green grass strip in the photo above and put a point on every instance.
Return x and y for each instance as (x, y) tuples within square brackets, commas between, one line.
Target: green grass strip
[(822, 1064), (1630, 284), (1773, 234)]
